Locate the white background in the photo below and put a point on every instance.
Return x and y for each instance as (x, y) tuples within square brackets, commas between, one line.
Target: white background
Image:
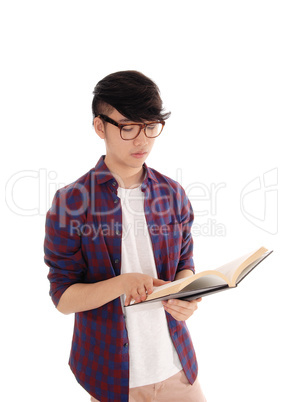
[(219, 68)]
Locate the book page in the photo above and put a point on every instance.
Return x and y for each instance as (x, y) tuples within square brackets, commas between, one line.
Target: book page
[(205, 278), (231, 267), (250, 267), (171, 287), (227, 273), (204, 282)]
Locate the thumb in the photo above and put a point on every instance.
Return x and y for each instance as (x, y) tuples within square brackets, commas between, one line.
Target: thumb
[(159, 282)]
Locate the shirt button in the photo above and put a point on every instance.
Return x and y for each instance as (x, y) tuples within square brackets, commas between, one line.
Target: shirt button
[(115, 201), (118, 232), (114, 183), (126, 345), (116, 261)]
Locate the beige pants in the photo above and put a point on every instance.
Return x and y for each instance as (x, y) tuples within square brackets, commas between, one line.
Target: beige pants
[(175, 388)]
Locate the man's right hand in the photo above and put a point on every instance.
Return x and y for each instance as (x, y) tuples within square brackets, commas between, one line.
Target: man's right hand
[(137, 286)]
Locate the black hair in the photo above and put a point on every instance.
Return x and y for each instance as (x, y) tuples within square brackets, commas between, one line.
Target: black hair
[(133, 94)]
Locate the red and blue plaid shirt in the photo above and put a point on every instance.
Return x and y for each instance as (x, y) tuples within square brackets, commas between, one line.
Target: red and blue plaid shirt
[(83, 244)]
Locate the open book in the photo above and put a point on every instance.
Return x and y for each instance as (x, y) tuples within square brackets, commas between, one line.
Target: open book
[(211, 281)]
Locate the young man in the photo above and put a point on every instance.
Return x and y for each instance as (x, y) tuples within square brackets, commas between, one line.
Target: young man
[(111, 236)]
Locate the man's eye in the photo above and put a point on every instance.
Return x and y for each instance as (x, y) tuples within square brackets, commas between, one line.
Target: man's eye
[(128, 129), (152, 127)]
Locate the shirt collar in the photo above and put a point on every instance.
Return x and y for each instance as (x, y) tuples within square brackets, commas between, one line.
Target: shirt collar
[(103, 174)]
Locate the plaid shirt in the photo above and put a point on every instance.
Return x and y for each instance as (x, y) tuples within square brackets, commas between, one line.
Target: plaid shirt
[(83, 244)]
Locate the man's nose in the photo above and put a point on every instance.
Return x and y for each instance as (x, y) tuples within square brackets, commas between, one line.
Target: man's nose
[(141, 138)]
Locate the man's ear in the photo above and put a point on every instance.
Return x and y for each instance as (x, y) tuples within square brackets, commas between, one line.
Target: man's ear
[(99, 127)]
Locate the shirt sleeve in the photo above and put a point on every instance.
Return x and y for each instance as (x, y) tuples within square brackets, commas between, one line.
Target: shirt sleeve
[(62, 245), (186, 256)]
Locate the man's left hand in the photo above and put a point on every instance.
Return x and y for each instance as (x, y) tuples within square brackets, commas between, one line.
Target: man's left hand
[(181, 310)]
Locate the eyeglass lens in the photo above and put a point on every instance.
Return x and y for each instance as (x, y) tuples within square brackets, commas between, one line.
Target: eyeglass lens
[(131, 131)]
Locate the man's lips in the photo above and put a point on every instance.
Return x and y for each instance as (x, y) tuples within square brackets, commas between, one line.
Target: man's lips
[(139, 154)]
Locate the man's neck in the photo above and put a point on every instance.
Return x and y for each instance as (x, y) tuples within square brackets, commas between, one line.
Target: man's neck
[(126, 177)]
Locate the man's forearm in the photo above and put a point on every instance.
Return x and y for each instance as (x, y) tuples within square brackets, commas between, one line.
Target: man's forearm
[(183, 274), (87, 296)]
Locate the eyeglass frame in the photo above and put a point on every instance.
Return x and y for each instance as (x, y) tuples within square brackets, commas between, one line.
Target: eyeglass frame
[(142, 126)]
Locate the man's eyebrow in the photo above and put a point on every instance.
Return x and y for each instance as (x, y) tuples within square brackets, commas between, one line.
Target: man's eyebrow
[(124, 120)]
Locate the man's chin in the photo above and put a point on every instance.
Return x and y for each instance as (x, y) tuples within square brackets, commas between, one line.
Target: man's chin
[(137, 162)]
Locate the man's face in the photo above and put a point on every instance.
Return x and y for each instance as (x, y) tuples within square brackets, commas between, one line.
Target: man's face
[(132, 153)]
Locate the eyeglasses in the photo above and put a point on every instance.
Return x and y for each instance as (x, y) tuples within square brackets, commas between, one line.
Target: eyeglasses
[(130, 131)]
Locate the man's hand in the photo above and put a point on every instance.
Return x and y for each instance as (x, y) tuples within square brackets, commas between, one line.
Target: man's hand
[(137, 286), (181, 310)]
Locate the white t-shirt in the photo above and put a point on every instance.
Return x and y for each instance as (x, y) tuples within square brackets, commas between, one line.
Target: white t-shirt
[(153, 357)]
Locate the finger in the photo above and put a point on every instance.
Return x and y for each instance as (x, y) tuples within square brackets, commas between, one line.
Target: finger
[(178, 309), (159, 282), (177, 302), (141, 292), (133, 296), (181, 306), (183, 303), (138, 295), (180, 316), (149, 287), (179, 313), (149, 284), (127, 300)]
